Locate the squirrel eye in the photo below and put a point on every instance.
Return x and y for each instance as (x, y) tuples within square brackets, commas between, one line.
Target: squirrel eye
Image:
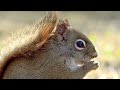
[(80, 44)]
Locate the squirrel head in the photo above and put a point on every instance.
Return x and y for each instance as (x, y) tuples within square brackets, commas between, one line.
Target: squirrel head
[(73, 43)]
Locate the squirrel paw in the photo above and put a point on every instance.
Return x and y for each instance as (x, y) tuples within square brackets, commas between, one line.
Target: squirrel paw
[(92, 65)]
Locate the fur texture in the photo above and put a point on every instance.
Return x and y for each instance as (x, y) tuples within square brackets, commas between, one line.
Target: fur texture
[(40, 53)]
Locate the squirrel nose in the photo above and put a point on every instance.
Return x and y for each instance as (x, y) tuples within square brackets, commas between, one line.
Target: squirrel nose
[(94, 55)]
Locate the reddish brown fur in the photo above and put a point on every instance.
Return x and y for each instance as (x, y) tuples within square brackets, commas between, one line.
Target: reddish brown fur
[(45, 29)]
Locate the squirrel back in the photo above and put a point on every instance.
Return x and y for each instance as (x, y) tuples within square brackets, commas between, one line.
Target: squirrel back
[(28, 40), (60, 51)]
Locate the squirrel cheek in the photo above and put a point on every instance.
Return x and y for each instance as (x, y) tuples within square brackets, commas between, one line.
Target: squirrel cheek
[(59, 38)]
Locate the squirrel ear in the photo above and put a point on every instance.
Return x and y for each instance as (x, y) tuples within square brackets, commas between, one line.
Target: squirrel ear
[(62, 26)]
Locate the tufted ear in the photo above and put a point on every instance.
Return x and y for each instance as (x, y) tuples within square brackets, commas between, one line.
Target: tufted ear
[(62, 26), (62, 30)]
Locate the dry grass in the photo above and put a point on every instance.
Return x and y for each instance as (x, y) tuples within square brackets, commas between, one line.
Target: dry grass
[(101, 27)]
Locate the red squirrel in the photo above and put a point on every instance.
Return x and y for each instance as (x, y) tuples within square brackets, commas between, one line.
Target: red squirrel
[(50, 49)]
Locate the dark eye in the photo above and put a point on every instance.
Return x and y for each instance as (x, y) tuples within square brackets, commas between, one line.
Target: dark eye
[(80, 44)]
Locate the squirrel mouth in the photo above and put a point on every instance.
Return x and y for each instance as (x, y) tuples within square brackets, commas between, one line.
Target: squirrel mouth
[(82, 62), (89, 59)]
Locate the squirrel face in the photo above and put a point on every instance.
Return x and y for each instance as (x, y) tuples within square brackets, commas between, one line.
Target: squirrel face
[(82, 48), (75, 44)]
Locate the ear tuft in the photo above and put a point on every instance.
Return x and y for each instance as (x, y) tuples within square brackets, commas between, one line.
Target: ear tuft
[(62, 26)]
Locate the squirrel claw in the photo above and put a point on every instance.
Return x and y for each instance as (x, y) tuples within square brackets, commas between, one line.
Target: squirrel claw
[(92, 65)]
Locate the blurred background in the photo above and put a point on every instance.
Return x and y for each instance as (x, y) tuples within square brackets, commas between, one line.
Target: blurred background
[(102, 28)]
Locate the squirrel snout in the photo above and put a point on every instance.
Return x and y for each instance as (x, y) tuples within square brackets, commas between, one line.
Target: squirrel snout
[(94, 55)]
